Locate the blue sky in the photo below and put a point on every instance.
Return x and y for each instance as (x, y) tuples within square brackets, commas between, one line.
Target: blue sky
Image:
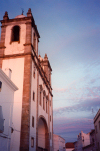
[(70, 35)]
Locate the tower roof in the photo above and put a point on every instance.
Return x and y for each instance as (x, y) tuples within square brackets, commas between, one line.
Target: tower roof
[(20, 16)]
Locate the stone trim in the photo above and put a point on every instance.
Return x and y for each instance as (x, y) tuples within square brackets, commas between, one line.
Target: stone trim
[(37, 64), (1, 63), (25, 121), (3, 33)]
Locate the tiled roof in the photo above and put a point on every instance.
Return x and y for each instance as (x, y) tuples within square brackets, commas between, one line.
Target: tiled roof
[(69, 145)]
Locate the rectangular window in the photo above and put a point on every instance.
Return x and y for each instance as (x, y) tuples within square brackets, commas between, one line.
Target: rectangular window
[(33, 96), (34, 69), (46, 107), (96, 129), (32, 141), (99, 125), (40, 98), (0, 85), (32, 121), (34, 42), (43, 103), (50, 118), (34, 74)]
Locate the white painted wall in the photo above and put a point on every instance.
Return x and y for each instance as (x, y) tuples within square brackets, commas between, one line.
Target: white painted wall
[(33, 107), (17, 67), (6, 101), (59, 143)]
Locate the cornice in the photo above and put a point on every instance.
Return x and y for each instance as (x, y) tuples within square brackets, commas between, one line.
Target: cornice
[(27, 20), (37, 63), (8, 81), (41, 71)]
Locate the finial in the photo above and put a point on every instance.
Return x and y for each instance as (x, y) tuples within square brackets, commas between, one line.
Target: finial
[(45, 57), (29, 13), (5, 17)]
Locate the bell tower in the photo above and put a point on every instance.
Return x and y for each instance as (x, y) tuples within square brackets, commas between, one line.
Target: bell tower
[(19, 38), (32, 108)]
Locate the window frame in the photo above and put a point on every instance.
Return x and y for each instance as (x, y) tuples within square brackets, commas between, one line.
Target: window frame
[(32, 142), (0, 86), (13, 39), (33, 96), (32, 121)]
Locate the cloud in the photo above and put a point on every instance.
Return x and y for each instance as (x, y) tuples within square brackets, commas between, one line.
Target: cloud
[(69, 128), (82, 106)]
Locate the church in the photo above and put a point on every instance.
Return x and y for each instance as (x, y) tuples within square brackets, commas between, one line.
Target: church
[(32, 119)]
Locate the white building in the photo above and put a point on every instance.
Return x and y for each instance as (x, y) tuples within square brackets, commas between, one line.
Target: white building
[(92, 145), (97, 129), (7, 89), (59, 143), (33, 114), (82, 141)]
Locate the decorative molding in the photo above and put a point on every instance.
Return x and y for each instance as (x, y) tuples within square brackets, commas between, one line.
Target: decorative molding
[(8, 81)]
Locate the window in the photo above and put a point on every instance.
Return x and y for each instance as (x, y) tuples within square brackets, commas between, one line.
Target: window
[(96, 129), (46, 107), (1, 120), (40, 98), (43, 103), (32, 141), (34, 69), (34, 42), (40, 94), (33, 96), (50, 118), (0, 85), (32, 121), (34, 74), (15, 33), (99, 125), (12, 130)]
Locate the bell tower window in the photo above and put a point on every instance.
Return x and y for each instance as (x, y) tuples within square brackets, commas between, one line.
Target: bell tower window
[(15, 33)]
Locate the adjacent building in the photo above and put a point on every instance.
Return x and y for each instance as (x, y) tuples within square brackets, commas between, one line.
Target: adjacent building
[(82, 141), (19, 59), (92, 145), (7, 89), (97, 129), (59, 143)]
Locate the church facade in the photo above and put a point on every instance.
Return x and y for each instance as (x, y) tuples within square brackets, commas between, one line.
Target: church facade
[(33, 110)]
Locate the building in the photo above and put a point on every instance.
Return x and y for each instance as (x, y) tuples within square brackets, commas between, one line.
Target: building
[(97, 129), (33, 112), (69, 146), (82, 141), (7, 89), (92, 145), (59, 143)]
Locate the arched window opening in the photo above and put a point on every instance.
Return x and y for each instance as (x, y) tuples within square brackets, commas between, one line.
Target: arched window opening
[(15, 33)]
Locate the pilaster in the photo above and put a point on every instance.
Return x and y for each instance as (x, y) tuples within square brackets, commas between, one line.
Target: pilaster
[(25, 121)]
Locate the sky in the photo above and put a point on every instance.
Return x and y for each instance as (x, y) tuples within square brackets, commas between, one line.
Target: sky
[(70, 36)]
